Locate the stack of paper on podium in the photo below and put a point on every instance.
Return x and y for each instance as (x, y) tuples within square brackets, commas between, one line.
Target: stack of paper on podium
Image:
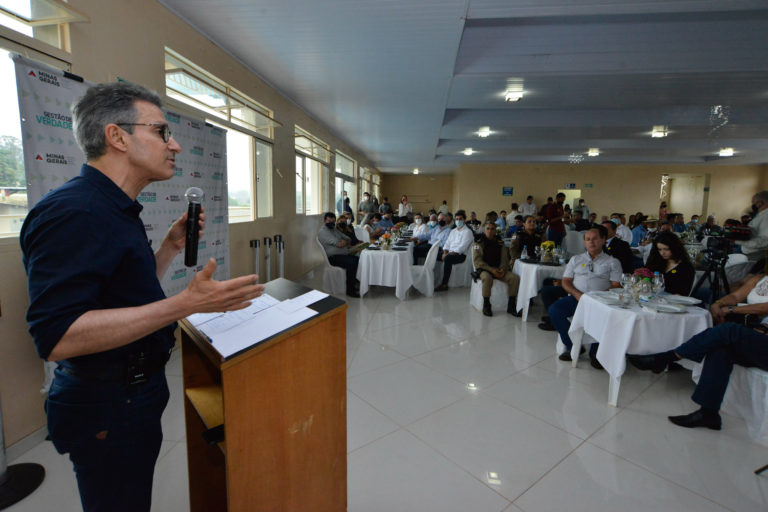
[(235, 331)]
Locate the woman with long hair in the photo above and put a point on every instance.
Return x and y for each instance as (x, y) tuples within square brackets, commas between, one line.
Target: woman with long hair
[(669, 257)]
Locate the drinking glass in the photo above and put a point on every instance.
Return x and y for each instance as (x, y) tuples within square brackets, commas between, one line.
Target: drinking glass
[(537, 251), (626, 280)]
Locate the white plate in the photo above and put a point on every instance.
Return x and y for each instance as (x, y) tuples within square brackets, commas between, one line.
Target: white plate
[(655, 307), (679, 299), (606, 297)]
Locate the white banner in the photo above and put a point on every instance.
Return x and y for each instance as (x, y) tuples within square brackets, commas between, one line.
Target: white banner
[(52, 157)]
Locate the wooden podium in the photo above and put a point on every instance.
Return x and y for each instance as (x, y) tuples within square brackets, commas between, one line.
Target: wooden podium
[(283, 406)]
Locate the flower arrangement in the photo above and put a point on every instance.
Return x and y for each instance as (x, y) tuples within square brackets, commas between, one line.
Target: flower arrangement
[(644, 273), (399, 225), (386, 240), (548, 246)]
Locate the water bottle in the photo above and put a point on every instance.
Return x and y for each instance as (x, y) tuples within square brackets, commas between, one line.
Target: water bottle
[(658, 283), (524, 253)]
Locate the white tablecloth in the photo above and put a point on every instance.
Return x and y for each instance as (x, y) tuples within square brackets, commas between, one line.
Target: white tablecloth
[(386, 268), (630, 331), (532, 278)]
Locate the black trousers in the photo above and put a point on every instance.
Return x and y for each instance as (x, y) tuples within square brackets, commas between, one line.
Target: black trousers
[(348, 262), (420, 251), (449, 262)]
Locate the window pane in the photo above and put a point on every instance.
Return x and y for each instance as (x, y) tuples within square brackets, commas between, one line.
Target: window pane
[(313, 187), (326, 192), (299, 184), (345, 166), (338, 197), (263, 180), (239, 176), (13, 184)]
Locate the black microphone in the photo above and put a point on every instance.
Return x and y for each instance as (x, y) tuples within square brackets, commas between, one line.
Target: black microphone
[(194, 197)]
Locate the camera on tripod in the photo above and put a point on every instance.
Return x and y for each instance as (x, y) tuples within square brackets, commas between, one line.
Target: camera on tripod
[(717, 249)]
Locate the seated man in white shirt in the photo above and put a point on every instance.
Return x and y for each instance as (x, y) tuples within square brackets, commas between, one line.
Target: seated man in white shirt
[(591, 271), (756, 246), (621, 230), (454, 249)]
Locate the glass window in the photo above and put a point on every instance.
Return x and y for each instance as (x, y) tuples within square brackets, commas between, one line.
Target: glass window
[(312, 186), (190, 84), (240, 163), (345, 165), (13, 182), (263, 180), (40, 19), (310, 145)]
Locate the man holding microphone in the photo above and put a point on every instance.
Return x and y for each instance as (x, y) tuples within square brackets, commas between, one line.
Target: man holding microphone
[(96, 305)]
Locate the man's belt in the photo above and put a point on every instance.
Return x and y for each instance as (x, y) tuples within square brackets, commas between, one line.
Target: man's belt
[(136, 370)]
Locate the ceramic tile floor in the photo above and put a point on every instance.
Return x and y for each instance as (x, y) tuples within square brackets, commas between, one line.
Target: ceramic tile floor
[(452, 411)]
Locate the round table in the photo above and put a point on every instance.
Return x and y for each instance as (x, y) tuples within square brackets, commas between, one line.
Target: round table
[(386, 268), (630, 331), (532, 276)]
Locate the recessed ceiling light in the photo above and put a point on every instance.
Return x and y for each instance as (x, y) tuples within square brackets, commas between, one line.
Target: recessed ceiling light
[(593, 152), (659, 130), (514, 90), (416, 171), (468, 151), (726, 152), (484, 131)]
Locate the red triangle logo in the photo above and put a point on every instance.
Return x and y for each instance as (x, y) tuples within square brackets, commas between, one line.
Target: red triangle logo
[(167, 198), (38, 157), (32, 73)]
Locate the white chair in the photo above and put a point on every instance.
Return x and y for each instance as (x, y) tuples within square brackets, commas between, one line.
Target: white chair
[(734, 259), (423, 275), (499, 294), (334, 278), (574, 243), (461, 274), (362, 234)]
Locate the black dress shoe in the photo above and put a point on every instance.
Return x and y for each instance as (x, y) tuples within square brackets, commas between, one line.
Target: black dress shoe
[(566, 356), (698, 419), (653, 362), (487, 310), (545, 319), (353, 294), (594, 362), (546, 326), (441, 288)]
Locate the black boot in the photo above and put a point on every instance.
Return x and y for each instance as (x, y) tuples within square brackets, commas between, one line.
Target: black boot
[(512, 307), (487, 306)]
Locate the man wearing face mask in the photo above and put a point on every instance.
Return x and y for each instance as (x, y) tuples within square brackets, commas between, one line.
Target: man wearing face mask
[(454, 249), (623, 231), (421, 232), (365, 207), (439, 235), (386, 222), (756, 246), (337, 246)]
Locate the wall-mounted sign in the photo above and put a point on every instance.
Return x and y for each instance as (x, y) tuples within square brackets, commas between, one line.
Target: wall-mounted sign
[(587, 185), (507, 191), (570, 186)]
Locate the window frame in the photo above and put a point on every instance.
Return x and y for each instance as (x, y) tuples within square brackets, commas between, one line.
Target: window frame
[(186, 109)]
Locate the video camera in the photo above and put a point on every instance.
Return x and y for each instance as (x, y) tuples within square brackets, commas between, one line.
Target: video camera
[(718, 248)]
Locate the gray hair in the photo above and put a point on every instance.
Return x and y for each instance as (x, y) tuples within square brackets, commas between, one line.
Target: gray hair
[(762, 196), (105, 104)]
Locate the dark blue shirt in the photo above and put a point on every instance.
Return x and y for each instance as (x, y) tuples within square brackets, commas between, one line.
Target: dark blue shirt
[(85, 249)]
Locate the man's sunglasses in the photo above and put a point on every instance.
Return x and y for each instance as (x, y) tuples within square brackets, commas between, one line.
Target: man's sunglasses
[(165, 130)]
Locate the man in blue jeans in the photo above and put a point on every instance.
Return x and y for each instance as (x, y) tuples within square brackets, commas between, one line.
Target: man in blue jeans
[(96, 305), (591, 271), (720, 348)]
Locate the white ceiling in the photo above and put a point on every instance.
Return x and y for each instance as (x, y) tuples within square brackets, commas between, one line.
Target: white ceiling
[(409, 82)]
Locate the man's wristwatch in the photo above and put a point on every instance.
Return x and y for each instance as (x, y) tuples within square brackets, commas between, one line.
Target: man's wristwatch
[(730, 309)]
